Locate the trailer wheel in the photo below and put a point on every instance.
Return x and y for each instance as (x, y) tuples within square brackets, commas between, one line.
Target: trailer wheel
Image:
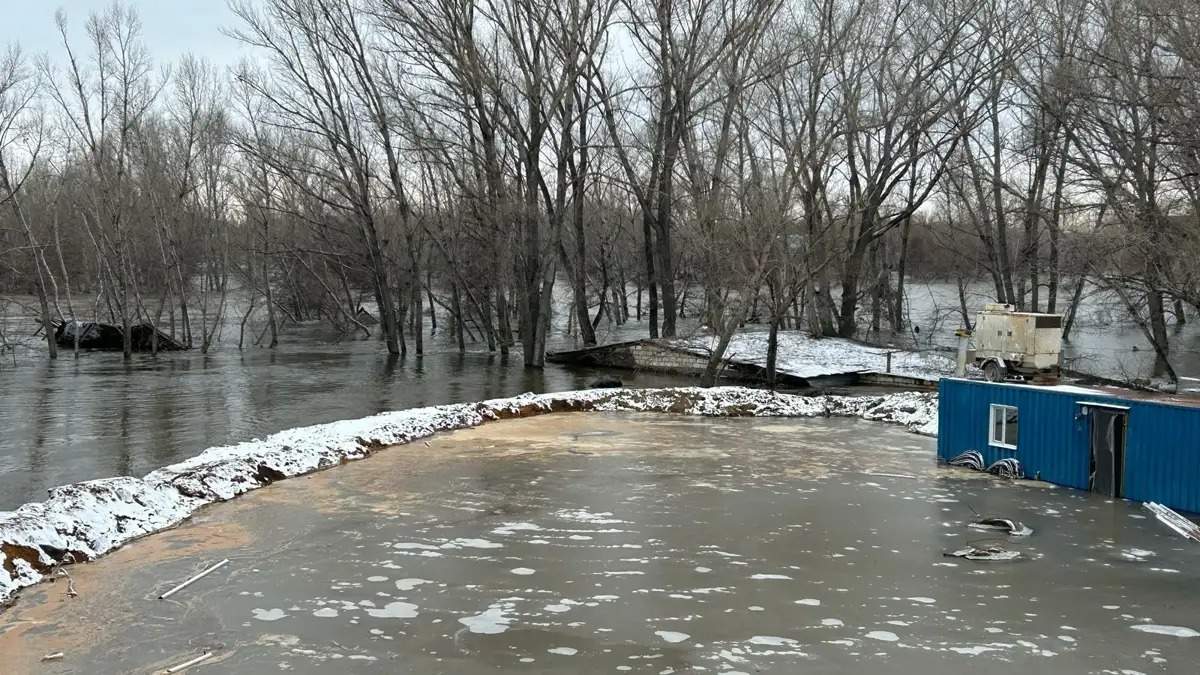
[(994, 371)]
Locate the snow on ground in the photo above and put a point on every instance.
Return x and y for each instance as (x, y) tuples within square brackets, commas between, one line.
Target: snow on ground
[(82, 521), (803, 356)]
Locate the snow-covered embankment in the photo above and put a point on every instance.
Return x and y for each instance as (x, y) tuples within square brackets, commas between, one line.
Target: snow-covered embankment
[(82, 521)]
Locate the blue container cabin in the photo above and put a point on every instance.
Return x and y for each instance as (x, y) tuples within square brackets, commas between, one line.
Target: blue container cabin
[(1088, 439)]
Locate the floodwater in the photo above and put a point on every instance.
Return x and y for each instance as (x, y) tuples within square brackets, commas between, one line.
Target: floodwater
[(601, 543), (98, 416), (1103, 341)]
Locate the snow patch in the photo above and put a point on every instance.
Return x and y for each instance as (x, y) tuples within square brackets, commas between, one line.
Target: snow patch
[(671, 636), (772, 641), (268, 614), (394, 610), (1173, 631), (409, 584), (800, 355), (510, 528), (471, 543), (491, 621)]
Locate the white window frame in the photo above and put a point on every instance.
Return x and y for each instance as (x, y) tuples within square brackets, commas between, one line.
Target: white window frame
[(1000, 408)]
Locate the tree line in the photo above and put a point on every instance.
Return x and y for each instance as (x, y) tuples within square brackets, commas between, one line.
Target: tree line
[(790, 161)]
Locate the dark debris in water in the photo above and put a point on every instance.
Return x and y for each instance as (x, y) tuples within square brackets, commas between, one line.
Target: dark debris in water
[(1010, 527)]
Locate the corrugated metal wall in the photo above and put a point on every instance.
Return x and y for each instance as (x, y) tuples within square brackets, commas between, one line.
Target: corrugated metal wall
[(1162, 456)]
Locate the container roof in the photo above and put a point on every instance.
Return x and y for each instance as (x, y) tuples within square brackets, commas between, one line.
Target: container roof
[(1190, 401)]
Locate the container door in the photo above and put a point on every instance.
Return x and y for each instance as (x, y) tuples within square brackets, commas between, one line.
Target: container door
[(1108, 450)]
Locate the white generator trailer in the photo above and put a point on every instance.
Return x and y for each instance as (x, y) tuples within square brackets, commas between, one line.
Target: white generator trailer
[(1008, 344)]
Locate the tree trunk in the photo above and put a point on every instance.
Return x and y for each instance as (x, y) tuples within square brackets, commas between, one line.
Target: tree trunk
[(456, 307), (546, 292), (772, 349), (1073, 310), (962, 303), (272, 323), (713, 369), (901, 270), (998, 213), (1158, 323), (666, 280), (624, 291), (381, 287), (126, 323), (1055, 227), (503, 325), (432, 307), (651, 279), (847, 326), (877, 288), (39, 260), (418, 313)]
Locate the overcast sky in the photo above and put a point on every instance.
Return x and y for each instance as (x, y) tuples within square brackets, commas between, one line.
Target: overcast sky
[(170, 28)]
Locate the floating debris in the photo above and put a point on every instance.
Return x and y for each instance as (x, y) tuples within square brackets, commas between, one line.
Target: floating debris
[(1006, 468), (1010, 527), (188, 664), (1137, 554), (970, 459), (194, 579), (1173, 520), (888, 475), (989, 553)]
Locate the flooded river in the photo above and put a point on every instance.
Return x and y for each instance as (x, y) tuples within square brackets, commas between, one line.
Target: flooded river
[(99, 416)]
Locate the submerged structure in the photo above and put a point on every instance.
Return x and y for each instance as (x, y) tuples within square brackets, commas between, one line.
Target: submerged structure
[(107, 337), (1090, 439)]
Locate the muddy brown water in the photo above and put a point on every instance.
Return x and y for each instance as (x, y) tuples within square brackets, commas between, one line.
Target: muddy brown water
[(599, 543)]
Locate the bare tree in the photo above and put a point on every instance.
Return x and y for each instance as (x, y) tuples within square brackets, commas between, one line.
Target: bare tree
[(104, 106), (22, 131)]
